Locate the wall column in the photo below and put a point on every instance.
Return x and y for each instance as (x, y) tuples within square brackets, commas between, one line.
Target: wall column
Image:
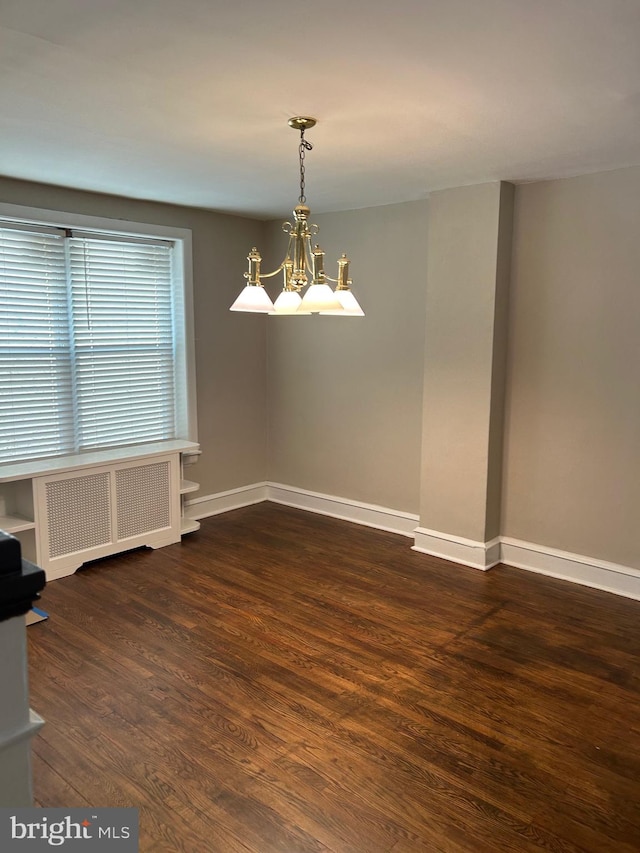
[(468, 261)]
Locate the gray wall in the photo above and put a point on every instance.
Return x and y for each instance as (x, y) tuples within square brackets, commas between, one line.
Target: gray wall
[(345, 394), (230, 348), (572, 462)]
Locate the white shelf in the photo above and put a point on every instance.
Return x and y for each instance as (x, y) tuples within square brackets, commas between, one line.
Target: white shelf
[(15, 523), (187, 525)]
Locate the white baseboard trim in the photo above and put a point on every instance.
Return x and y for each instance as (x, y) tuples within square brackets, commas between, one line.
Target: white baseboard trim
[(370, 515), (468, 552), (225, 501), (588, 571)]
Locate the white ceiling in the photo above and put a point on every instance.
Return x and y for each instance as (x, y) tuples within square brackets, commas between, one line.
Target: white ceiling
[(187, 101)]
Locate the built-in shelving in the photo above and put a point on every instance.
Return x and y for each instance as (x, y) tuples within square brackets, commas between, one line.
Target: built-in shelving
[(187, 525), (68, 510), (15, 524)]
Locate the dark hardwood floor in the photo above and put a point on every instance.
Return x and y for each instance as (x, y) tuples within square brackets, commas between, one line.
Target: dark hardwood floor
[(282, 682)]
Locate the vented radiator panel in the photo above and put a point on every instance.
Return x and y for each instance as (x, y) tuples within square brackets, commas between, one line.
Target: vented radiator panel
[(105, 509), (143, 499), (78, 513)]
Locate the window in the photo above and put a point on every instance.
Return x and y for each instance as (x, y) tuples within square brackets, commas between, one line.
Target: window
[(93, 349)]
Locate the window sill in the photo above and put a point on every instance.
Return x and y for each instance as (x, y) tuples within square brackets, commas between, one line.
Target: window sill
[(77, 461)]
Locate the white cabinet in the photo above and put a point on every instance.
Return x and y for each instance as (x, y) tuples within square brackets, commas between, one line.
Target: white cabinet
[(70, 510)]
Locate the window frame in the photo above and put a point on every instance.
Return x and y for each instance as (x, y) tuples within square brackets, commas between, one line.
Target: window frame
[(186, 415)]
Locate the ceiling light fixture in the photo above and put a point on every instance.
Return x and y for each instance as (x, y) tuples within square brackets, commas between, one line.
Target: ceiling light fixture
[(301, 257)]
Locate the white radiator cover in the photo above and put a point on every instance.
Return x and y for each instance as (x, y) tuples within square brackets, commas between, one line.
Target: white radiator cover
[(102, 510), (143, 499), (77, 512)]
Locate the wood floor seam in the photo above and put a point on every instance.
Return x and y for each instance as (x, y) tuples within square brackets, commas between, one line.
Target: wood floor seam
[(284, 682)]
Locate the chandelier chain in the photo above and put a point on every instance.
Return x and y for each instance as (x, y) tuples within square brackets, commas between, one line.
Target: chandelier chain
[(302, 150), (303, 263)]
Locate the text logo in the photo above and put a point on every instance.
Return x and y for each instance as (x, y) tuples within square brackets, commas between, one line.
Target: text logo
[(80, 830)]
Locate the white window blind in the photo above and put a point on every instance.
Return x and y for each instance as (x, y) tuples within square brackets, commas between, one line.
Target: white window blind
[(121, 303), (87, 343), (35, 379)]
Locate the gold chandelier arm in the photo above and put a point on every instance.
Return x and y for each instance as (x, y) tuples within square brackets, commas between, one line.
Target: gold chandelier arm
[(271, 274), (282, 265)]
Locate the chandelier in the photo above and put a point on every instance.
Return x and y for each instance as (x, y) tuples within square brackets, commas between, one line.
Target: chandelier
[(301, 261)]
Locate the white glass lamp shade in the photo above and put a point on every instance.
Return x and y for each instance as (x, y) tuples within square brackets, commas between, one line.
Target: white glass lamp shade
[(253, 299), (320, 297), (288, 303), (350, 306)]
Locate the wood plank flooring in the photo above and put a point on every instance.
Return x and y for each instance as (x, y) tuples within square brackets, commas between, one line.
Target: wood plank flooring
[(282, 682)]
